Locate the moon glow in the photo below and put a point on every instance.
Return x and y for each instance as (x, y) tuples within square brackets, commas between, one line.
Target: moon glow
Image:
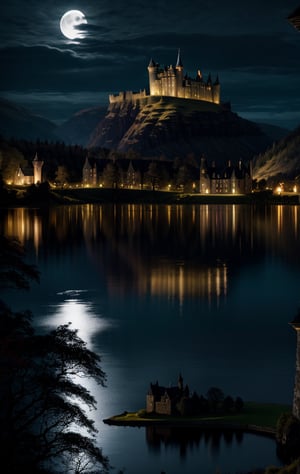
[(68, 23)]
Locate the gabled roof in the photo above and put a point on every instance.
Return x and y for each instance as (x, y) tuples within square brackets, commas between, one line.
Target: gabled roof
[(26, 170)]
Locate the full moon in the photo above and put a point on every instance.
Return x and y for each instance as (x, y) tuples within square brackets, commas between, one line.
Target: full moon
[(69, 21)]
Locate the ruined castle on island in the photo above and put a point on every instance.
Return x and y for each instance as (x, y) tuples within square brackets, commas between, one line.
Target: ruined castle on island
[(171, 81)]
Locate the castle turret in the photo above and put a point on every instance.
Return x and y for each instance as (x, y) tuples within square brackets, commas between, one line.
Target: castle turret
[(179, 76), (37, 169), (152, 70), (296, 401), (217, 91)]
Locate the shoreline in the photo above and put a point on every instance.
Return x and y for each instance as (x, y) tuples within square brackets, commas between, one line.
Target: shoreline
[(204, 425), (257, 418), (79, 196)]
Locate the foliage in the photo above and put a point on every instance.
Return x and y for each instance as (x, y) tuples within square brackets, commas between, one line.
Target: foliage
[(292, 468), (14, 271), (10, 160), (111, 175), (288, 437), (44, 425), (61, 175)]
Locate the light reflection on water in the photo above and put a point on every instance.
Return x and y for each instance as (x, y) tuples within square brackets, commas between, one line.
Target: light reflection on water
[(207, 290), (79, 313)]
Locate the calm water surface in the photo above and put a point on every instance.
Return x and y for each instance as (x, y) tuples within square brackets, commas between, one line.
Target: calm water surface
[(204, 290)]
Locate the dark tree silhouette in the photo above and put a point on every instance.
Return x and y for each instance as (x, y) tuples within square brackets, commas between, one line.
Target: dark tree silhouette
[(43, 421)]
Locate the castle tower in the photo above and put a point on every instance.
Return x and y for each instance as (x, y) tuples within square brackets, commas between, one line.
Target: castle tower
[(179, 76), (217, 91), (152, 70), (296, 401), (37, 169)]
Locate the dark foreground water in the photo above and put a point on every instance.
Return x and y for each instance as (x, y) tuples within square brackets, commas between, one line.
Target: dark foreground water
[(205, 290)]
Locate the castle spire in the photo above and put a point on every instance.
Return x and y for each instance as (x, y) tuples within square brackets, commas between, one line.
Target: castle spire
[(179, 62)]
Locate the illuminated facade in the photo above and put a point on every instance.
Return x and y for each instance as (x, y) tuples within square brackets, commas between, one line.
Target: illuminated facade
[(228, 179), (170, 81), (89, 173), (27, 175)]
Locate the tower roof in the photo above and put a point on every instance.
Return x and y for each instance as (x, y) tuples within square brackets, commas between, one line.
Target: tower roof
[(151, 63), (179, 62)]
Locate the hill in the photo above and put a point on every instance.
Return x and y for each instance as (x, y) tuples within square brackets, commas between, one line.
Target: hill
[(79, 127), (170, 127), (19, 123), (281, 160)]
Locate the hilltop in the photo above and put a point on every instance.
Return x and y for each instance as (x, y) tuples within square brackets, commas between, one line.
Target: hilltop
[(169, 127)]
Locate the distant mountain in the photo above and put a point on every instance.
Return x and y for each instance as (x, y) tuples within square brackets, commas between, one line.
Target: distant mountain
[(273, 131), (18, 122), (171, 127), (78, 129), (281, 160)]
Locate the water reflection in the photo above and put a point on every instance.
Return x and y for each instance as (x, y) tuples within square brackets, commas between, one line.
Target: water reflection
[(79, 313), (174, 251), (188, 439), (233, 271)]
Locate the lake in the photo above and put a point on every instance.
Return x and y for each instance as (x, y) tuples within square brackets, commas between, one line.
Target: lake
[(203, 290)]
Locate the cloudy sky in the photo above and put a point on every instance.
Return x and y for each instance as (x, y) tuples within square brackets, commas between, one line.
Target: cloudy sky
[(250, 44)]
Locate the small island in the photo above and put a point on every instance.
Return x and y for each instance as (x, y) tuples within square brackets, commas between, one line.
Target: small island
[(175, 407)]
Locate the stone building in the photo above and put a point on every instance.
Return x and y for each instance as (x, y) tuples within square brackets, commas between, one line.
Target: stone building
[(228, 179), (163, 400), (26, 175), (171, 81), (89, 173)]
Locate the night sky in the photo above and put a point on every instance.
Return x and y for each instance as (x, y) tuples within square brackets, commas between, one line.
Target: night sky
[(250, 44)]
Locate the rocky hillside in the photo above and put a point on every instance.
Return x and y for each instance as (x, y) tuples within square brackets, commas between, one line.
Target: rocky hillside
[(177, 127), (19, 123), (281, 160)]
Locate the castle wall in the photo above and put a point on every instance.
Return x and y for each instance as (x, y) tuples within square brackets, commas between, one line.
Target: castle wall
[(150, 404), (163, 407), (127, 96)]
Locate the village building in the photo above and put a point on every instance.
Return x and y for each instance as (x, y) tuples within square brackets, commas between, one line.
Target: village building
[(27, 175), (89, 173), (228, 179)]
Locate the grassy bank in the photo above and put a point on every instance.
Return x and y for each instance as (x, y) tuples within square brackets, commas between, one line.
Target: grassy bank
[(254, 417), (134, 196)]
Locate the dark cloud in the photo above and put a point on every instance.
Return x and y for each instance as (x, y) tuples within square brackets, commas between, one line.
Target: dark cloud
[(250, 45)]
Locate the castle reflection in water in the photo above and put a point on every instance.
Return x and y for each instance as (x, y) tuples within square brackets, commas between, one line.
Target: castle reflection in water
[(170, 250)]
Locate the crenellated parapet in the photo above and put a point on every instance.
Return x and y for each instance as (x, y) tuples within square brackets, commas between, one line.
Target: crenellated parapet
[(128, 96)]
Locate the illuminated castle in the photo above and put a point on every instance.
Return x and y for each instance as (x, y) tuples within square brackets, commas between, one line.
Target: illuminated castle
[(170, 81)]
